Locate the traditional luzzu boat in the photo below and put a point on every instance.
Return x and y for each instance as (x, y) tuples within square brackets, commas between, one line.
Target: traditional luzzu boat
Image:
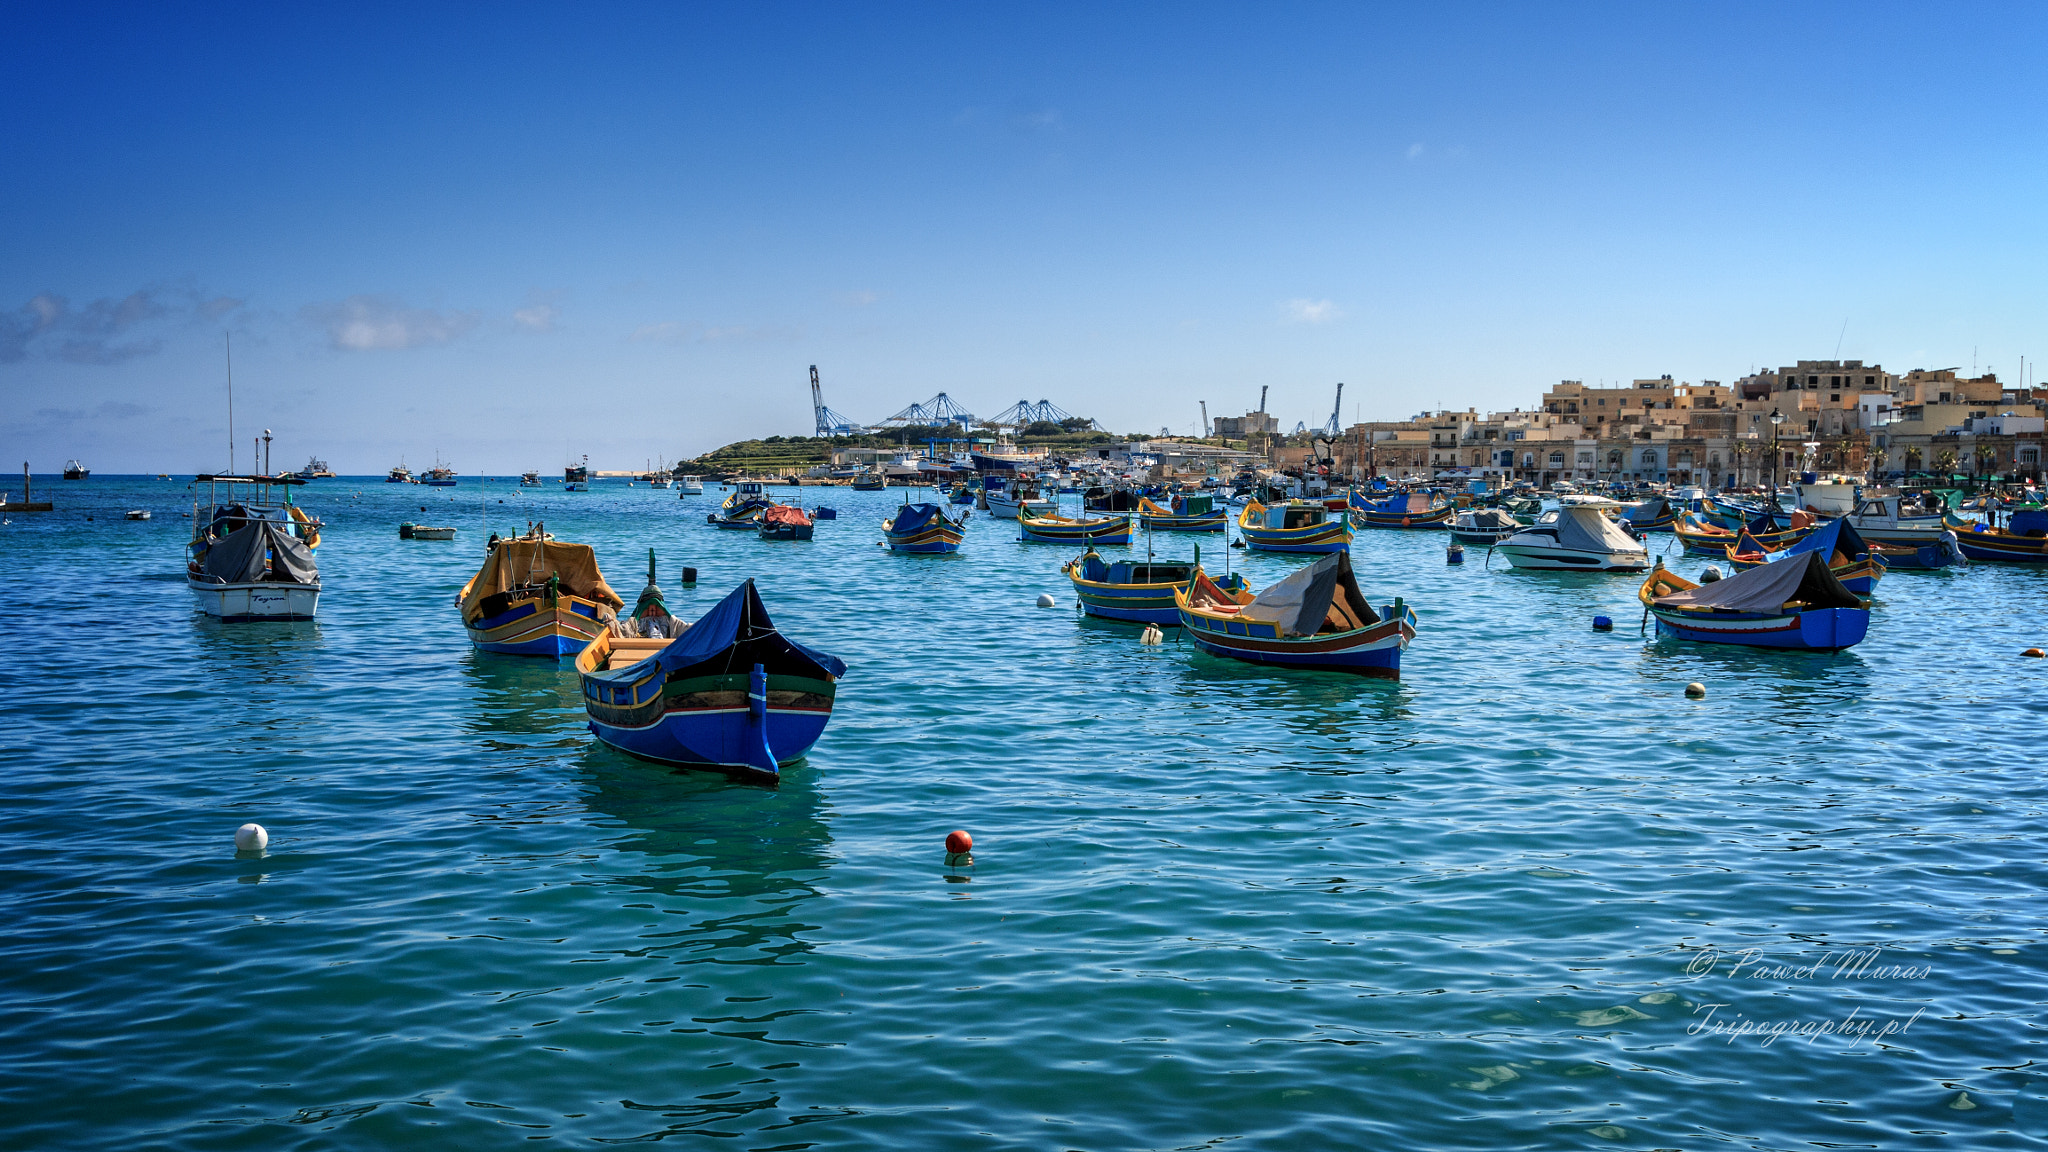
[(1703, 538), (1653, 515), (1574, 538), (536, 596), (1857, 563), (922, 528), (1735, 515), (1295, 526), (1057, 529), (742, 508), (250, 559), (785, 522), (1315, 618), (1795, 603), (1404, 510), (1484, 527), (1140, 591), (730, 694), (1184, 512), (2024, 540)]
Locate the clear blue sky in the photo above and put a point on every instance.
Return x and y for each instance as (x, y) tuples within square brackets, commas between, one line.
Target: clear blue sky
[(510, 235)]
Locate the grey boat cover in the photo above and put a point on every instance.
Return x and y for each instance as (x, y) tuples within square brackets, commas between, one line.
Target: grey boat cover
[(237, 558), (1321, 597), (1655, 508), (1769, 587), (1488, 518), (1589, 530)]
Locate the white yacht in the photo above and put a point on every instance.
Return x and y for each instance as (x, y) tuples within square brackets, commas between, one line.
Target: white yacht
[(1577, 538)]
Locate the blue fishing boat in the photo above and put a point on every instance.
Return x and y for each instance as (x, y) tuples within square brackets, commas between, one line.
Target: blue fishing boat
[(1796, 603), (2023, 540), (1315, 618), (1057, 529), (731, 694), (1656, 514), (1183, 512), (1856, 563), (922, 528), (1295, 526), (742, 508), (536, 596), (1140, 591), (1405, 510)]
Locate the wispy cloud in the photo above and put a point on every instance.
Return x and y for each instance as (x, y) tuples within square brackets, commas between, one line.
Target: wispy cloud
[(108, 330), (860, 299), (1415, 151), (110, 410), (537, 317), (1305, 311), (382, 324)]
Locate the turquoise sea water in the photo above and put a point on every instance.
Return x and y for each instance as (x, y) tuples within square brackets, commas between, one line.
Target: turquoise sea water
[(1485, 907)]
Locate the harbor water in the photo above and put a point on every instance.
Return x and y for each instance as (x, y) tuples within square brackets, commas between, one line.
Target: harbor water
[(1528, 896)]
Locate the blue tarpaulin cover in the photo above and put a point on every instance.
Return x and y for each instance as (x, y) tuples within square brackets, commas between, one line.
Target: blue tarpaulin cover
[(1835, 536), (736, 635), (916, 518)]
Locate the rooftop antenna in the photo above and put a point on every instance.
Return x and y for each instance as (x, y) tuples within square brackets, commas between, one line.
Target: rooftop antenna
[(1838, 341)]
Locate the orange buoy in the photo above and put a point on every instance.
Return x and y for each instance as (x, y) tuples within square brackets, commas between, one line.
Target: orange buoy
[(958, 842), (2034, 652)]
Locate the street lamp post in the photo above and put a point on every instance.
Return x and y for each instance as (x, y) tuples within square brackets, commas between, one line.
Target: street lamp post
[(1777, 419)]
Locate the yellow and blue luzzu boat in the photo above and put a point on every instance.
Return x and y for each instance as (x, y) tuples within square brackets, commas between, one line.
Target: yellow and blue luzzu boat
[(1058, 529), (1296, 526), (1189, 512), (1404, 510), (1140, 591), (922, 528), (1315, 618), (536, 596), (731, 694), (1852, 561)]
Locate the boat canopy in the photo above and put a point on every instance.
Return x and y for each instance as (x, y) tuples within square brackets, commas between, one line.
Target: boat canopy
[(1411, 504), (785, 514), (1490, 518), (2028, 522), (1768, 588), (736, 635), (1589, 530), (524, 561), (916, 518), (1655, 508), (238, 557), (1321, 597), (1832, 537)]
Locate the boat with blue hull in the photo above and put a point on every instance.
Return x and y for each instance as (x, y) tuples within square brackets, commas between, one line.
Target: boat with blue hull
[(1183, 512), (1057, 529), (1316, 618), (537, 596), (922, 529), (1795, 603), (2024, 540), (1295, 526), (1854, 562), (1404, 510), (731, 694), (1139, 591), (742, 508)]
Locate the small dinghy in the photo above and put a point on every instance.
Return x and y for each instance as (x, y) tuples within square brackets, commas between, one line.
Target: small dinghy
[(138, 514), (730, 694), (411, 531), (536, 596)]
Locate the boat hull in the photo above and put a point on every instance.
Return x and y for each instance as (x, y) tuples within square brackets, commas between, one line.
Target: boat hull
[(936, 540), (1374, 651), (1541, 558), (1435, 518), (531, 628), (1818, 629), (260, 602), (1330, 536), (740, 725), (1215, 521), (2000, 546), (785, 531), (1112, 530)]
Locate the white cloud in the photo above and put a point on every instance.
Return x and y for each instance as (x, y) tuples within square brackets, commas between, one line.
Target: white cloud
[(379, 323), (1414, 151), (537, 317), (1305, 311)]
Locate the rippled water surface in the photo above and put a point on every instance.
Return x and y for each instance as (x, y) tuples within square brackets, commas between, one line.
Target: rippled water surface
[(1494, 905)]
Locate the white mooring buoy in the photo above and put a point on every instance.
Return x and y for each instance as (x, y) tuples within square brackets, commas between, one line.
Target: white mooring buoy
[(1696, 690), (251, 838), (1152, 635), (1045, 600)]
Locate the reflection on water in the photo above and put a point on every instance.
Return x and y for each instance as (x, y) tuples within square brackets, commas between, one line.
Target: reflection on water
[(526, 695)]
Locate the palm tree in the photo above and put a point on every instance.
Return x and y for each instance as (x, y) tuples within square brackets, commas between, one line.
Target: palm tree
[(1913, 459), (1987, 458), (1945, 461)]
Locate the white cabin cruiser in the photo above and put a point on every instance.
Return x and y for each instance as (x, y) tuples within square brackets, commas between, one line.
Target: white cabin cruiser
[(1576, 538), (251, 558)]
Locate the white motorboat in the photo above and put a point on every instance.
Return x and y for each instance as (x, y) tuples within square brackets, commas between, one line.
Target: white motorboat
[(1484, 527), (1006, 505), (1897, 519), (1575, 538), (251, 557), (690, 485), (423, 533)]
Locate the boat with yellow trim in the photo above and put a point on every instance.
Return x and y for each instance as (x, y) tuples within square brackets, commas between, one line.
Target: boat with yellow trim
[(1315, 618), (1183, 512), (1140, 591), (1295, 526), (924, 529), (1702, 537), (537, 596), (1057, 529)]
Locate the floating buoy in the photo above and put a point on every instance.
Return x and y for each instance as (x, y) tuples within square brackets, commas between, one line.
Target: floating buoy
[(1237, 543), (1151, 635), (959, 848), (1695, 691), (1712, 574), (251, 838), (1603, 624), (1045, 600), (1455, 554), (2034, 652), (689, 575)]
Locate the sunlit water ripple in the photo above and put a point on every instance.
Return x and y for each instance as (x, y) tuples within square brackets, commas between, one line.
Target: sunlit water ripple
[(1485, 907)]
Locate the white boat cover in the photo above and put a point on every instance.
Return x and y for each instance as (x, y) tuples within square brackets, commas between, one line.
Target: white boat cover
[(1323, 595), (237, 558), (1487, 518), (1769, 587), (1589, 530)]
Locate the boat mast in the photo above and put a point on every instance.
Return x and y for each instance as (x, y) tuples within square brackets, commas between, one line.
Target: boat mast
[(230, 343)]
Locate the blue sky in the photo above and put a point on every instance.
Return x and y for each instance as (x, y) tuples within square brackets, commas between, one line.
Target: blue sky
[(515, 235)]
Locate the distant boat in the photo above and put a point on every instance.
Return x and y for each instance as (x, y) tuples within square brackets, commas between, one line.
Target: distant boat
[(1796, 603), (784, 522), (1295, 526), (139, 514), (922, 528), (1852, 560), (1577, 538), (869, 482), (439, 476), (2024, 540), (731, 694), (690, 486), (536, 596), (1703, 537), (1317, 617), (1403, 510), (1139, 591), (1484, 527), (398, 475), (73, 470), (410, 531), (1008, 505), (530, 479), (1653, 515), (315, 469), (1057, 529), (742, 508), (577, 473), (250, 558), (1188, 512)]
